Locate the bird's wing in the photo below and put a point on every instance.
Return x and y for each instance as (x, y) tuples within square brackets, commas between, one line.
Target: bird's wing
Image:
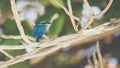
[(41, 30), (35, 29)]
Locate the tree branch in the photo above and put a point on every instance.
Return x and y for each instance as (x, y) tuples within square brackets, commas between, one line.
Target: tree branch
[(53, 45), (5, 53), (93, 34), (105, 10), (91, 14), (71, 15), (99, 55), (20, 28), (16, 37)]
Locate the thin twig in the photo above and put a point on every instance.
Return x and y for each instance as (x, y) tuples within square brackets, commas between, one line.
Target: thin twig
[(88, 7), (16, 37), (91, 17), (78, 24), (20, 28), (105, 10), (99, 55), (94, 59), (5, 53), (69, 6), (46, 37), (91, 14), (21, 58), (66, 11), (71, 15), (54, 17), (89, 61)]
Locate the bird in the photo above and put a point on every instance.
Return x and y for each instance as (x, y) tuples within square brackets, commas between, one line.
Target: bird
[(40, 29)]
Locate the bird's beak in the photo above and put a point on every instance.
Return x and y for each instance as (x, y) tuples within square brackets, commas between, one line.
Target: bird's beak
[(47, 23)]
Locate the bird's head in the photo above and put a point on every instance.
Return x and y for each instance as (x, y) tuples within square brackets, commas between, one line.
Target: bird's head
[(43, 23)]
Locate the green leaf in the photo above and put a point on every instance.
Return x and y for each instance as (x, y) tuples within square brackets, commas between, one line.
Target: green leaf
[(25, 64), (44, 2), (27, 28), (2, 2), (50, 10), (57, 25), (10, 42), (10, 28), (67, 29), (53, 2)]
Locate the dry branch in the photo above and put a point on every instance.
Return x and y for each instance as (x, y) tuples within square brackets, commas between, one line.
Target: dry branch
[(89, 60), (99, 55), (20, 28), (71, 15), (93, 34), (16, 37), (63, 42), (7, 54), (67, 12), (60, 42), (105, 10), (94, 58), (24, 57), (91, 14)]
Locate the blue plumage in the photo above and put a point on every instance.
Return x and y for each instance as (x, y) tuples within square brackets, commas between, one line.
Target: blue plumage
[(39, 29)]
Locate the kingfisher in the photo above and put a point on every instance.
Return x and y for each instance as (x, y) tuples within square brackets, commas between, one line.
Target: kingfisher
[(39, 30)]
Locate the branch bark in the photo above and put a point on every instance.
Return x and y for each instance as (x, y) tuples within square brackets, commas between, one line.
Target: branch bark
[(20, 28), (93, 34), (63, 42)]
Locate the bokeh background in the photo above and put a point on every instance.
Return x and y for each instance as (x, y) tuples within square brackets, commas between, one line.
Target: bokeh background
[(32, 11)]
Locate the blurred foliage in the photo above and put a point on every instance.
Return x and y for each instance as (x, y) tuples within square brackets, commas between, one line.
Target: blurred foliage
[(114, 11), (53, 2), (50, 2), (10, 28), (25, 64), (5, 8), (27, 28), (2, 2), (60, 26), (58, 23), (44, 2)]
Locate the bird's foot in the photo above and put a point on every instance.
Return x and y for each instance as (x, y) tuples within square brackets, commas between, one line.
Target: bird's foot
[(37, 45)]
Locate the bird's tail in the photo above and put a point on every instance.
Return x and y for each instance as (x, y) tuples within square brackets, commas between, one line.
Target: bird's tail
[(37, 39)]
